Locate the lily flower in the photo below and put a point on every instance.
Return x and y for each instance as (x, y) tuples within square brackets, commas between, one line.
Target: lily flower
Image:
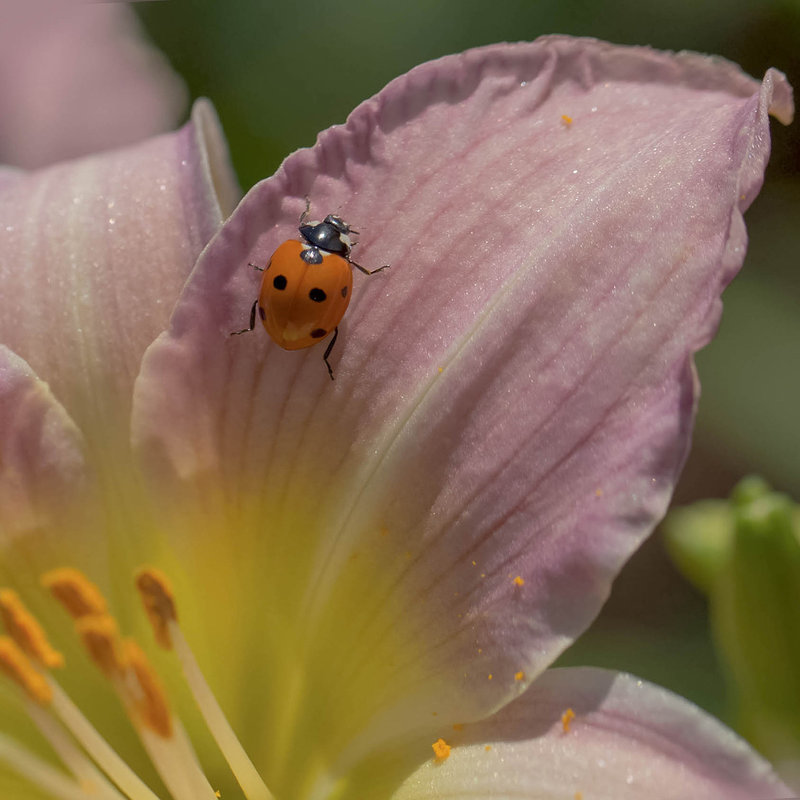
[(361, 583)]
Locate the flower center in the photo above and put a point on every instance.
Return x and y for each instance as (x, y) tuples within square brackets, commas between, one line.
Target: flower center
[(95, 769)]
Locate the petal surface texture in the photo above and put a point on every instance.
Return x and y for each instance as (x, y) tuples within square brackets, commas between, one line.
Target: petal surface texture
[(627, 740), (44, 479), (93, 254), (79, 78), (512, 401)]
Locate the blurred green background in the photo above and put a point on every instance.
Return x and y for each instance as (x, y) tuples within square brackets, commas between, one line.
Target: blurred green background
[(280, 72)]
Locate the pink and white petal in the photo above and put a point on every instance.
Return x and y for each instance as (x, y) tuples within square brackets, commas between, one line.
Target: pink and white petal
[(628, 740), (78, 78), (9, 175), (46, 486), (513, 399), (94, 253)]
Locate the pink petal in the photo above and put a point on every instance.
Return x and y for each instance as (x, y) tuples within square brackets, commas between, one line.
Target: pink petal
[(46, 486), (79, 78), (513, 399), (94, 253), (628, 740)]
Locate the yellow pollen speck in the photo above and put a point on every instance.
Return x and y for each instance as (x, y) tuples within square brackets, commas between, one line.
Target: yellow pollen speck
[(15, 664), (474, 563), (79, 596), (566, 120), (490, 676), (480, 650), (159, 603), (598, 492), (487, 748), (519, 581), (566, 719), (152, 703), (518, 676), (458, 726), (26, 631), (578, 795), (441, 750), (100, 637), (441, 370), (483, 574)]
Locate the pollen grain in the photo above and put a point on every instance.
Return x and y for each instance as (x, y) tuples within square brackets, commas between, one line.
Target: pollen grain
[(441, 750), (566, 719)]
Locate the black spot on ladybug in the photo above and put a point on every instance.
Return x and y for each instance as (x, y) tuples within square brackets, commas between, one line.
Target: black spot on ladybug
[(317, 295), (318, 333), (344, 291), (262, 313), (279, 282)]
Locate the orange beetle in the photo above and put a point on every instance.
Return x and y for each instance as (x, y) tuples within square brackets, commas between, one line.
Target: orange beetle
[(307, 285)]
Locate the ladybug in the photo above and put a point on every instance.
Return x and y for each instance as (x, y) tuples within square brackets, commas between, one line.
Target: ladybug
[(306, 286)]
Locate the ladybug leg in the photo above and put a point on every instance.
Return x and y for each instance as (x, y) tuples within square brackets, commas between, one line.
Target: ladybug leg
[(252, 322), (328, 351), (368, 271), (255, 266), (305, 213)]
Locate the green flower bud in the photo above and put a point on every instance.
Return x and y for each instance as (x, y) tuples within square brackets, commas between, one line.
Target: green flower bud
[(745, 555)]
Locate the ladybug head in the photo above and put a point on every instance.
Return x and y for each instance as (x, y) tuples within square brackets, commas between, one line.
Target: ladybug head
[(330, 235)]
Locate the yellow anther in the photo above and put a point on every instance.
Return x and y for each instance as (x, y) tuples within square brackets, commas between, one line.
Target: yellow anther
[(15, 664), (519, 581), (151, 702), (519, 676), (75, 592), (100, 637), (26, 631), (159, 603), (441, 750)]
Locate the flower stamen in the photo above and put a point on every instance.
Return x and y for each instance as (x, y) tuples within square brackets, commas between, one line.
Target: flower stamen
[(26, 631), (98, 748), (124, 663), (27, 657), (79, 596), (39, 772), (17, 666), (90, 779), (159, 603), (42, 690)]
